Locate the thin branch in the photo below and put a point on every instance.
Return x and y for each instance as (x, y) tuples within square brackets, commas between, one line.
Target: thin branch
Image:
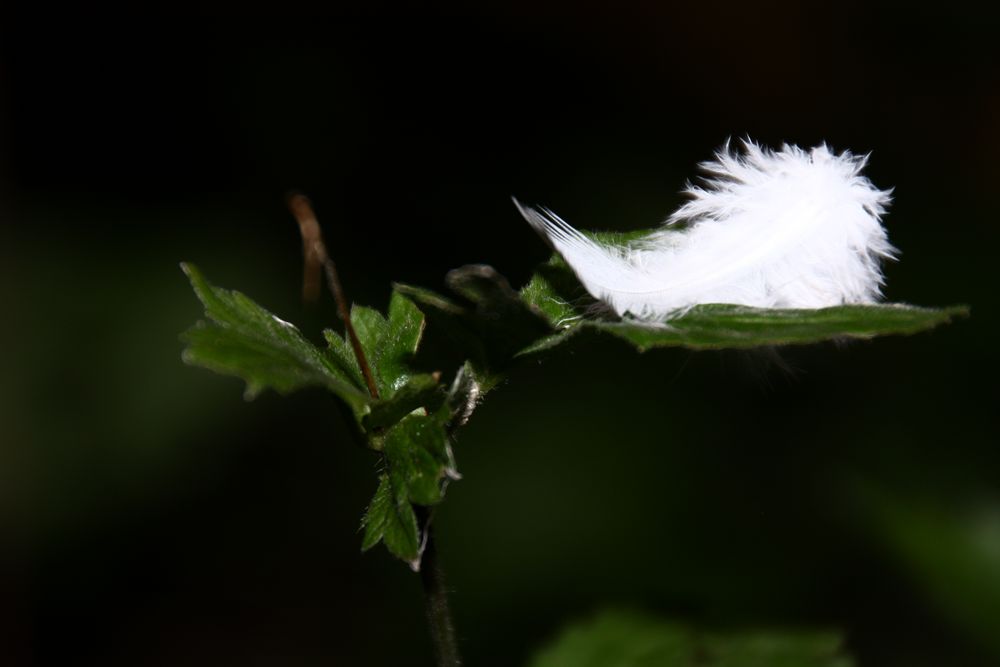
[(315, 255)]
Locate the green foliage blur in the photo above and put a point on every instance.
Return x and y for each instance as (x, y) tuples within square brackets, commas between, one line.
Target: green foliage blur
[(150, 516)]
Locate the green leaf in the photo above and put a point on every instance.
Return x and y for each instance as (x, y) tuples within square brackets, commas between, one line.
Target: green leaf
[(631, 639), (388, 343), (555, 291), (717, 326), (378, 514), (242, 339), (418, 450), (390, 519), (340, 354), (419, 464)]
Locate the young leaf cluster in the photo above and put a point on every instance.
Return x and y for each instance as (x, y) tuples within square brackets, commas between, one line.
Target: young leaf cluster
[(408, 422)]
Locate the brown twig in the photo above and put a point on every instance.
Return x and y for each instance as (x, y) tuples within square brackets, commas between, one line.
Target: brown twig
[(315, 255)]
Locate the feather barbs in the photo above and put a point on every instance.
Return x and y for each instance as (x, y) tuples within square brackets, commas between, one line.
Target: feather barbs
[(770, 229)]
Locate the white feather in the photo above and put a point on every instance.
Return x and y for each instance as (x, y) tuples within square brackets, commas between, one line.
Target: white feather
[(771, 229)]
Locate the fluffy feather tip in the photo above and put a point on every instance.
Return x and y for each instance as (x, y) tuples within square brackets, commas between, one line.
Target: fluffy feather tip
[(790, 228)]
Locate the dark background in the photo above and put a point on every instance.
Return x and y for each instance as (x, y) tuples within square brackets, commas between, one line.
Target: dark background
[(149, 516)]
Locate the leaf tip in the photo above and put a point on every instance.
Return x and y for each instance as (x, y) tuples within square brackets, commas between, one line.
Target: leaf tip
[(192, 272), (197, 279)]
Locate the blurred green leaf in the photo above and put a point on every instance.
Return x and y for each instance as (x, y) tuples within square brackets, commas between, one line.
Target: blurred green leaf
[(488, 321), (774, 648), (953, 555), (242, 339), (631, 639), (455, 322)]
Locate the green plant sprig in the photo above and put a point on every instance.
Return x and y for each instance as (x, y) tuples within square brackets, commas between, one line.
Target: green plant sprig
[(410, 418)]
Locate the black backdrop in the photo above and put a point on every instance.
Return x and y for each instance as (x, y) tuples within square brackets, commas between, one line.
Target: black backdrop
[(149, 516)]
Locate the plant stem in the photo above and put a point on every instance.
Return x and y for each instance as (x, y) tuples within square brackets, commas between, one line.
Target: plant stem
[(314, 251), (436, 604)]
